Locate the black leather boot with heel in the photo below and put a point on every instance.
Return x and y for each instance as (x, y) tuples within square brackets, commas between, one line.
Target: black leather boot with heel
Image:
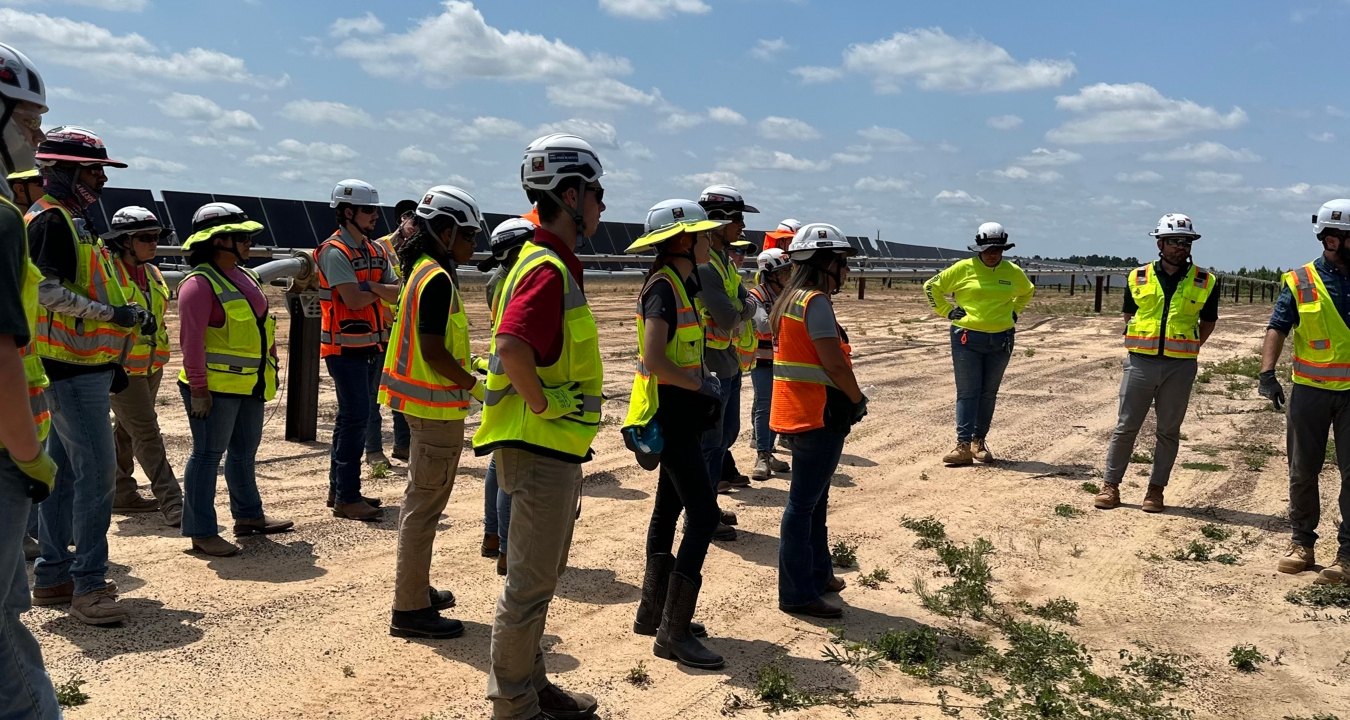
[(654, 583), (674, 640)]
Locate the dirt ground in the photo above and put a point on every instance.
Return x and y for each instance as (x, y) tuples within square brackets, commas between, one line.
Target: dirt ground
[(296, 625)]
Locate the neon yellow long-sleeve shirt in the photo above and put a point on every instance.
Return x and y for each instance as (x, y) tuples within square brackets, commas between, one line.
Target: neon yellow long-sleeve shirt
[(989, 295)]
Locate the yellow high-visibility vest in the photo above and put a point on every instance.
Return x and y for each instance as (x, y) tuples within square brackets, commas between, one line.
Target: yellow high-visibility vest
[(148, 353), (1145, 331), (1321, 339), (685, 350), (33, 372), (410, 384), (715, 338), (238, 351)]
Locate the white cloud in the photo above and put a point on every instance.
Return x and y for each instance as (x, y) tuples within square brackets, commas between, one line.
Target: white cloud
[(457, 44), (195, 108), (413, 155), (1044, 157), (850, 158), (1324, 137), (1017, 173), (783, 128), (1305, 192), (367, 24), (1135, 112), (325, 112), (756, 158), (1208, 181), (812, 75), (959, 197), (598, 134), (1004, 122), (886, 139), (653, 9), (676, 121), (769, 49), (155, 165), (1142, 177), (488, 126), (1336, 112), (295, 151), (933, 60), (726, 116), (716, 177), (637, 150), (95, 49), (881, 184), (1202, 152)]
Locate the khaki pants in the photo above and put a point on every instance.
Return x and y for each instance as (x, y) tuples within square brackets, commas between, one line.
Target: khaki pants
[(543, 510), (136, 436), (433, 460)]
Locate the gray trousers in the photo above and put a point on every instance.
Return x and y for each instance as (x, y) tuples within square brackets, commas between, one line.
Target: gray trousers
[(1165, 385), (136, 435), (1312, 412)]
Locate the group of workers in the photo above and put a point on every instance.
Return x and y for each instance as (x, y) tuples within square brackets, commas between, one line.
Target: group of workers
[(85, 318)]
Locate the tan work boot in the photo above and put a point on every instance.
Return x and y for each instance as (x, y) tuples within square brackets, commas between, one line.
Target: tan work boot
[(1108, 498), (981, 451), (1153, 500), (960, 455), (761, 470), (99, 607), (215, 546), (1296, 559), (1338, 573), (134, 503)]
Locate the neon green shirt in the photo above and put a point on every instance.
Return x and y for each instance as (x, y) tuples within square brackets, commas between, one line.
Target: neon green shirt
[(989, 295)]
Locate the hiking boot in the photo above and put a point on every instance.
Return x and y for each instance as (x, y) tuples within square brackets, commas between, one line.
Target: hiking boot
[(655, 584), (785, 442), (400, 453), (980, 450), (560, 704), (724, 532), (730, 473), (375, 458), (501, 564), (960, 455), (360, 510), (777, 465), (61, 594), (1296, 559), (440, 599), (1338, 573), (492, 545), (424, 623), (820, 607), (262, 526), (1108, 498), (835, 585), (31, 548), (373, 502), (1153, 501), (761, 470), (99, 607), (215, 546), (723, 487), (728, 517), (675, 640), (173, 515), (134, 503)]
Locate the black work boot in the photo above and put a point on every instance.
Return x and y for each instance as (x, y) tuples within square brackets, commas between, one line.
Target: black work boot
[(558, 704), (655, 582), (424, 623), (674, 641)]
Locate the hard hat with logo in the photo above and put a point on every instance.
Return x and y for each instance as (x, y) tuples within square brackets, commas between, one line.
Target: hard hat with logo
[(447, 202), (354, 192), (219, 218), (724, 199), (553, 158), (20, 84), (772, 260), (1175, 225), (507, 236), (133, 220), (1333, 215), (990, 236), (74, 144), (818, 236), (669, 218)]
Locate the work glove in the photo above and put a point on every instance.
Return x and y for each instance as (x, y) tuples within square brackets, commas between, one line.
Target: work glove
[(712, 387), (477, 391), (127, 316), (859, 410), (562, 401), (149, 325), (957, 313), (201, 403), (1270, 389), (479, 364), (40, 473)]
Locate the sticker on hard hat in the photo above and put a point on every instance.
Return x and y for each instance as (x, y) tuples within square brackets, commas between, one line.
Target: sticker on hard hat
[(537, 163), (347, 191), (562, 157), (677, 213), (427, 200), (822, 234), (1335, 214)]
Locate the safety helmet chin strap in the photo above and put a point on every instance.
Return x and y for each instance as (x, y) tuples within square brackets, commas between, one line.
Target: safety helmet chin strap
[(830, 270)]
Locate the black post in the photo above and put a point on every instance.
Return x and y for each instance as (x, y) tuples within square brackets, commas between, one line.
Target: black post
[(1097, 304), (302, 377), (1250, 292), (1073, 280), (862, 287)]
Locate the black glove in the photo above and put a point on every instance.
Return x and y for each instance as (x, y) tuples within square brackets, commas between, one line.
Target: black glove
[(712, 387), (126, 316), (957, 313), (149, 325), (1270, 389), (859, 410)]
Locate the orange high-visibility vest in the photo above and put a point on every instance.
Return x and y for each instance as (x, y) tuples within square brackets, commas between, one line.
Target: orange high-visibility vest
[(799, 380), (149, 353), (340, 326)]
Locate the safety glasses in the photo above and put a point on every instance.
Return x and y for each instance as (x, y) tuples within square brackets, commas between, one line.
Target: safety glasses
[(1178, 242), (739, 250), (597, 191), (368, 210), (151, 238)]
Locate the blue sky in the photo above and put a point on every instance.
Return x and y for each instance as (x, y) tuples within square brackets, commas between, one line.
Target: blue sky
[(1073, 124)]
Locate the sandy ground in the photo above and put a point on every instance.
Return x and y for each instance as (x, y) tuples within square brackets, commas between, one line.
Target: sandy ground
[(296, 625)]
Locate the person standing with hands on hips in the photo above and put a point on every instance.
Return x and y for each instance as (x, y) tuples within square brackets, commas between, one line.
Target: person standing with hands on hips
[(989, 293), (1314, 308), (816, 400)]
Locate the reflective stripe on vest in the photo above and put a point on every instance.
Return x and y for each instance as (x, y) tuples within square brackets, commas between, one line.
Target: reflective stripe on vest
[(1321, 340), (1179, 333), (410, 384), (716, 338), (799, 380), (342, 327), (34, 375), (239, 354), (507, 420), (75, 340), (148, 354), (684, 349)]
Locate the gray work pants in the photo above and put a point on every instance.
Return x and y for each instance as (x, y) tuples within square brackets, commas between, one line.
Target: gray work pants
[(1312, 413), (1165, 385)]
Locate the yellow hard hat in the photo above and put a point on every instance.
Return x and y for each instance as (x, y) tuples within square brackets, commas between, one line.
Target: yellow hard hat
[(669, 218)]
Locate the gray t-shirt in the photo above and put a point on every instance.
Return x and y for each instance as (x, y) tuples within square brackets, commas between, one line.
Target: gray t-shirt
[(820, 321), (338, 269)]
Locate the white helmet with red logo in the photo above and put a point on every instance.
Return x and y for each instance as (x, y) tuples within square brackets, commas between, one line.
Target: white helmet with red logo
[(1175, 225), (1333, 215)]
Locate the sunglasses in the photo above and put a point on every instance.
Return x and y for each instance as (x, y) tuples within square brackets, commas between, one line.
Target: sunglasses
[(740, 250), (147, 238), (368, 210), (598, 191), (1178, 242), (407, 215)]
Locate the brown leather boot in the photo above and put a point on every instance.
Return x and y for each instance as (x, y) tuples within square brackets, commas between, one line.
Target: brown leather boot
[(492, 545), (134, 503), (262, 526), (1108, 498), (215, 546), (99, 607), (356, 511), (1153, 501)]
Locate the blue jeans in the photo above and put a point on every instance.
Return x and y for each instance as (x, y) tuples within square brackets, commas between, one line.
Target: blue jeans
[(979, 360), (496, 506), (804, 545), (761, 379), (375, 427), (25, 689), (80, 507), (353, 377), (718, 438), (234, 425)]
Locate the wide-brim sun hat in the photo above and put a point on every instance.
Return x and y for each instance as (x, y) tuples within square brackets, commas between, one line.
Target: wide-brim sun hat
[(669, 218), (73, 144), (990, 236), (25, 176)]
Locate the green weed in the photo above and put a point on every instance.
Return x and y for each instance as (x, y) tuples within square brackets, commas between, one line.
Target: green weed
[(1320, 596), (1248, 366), (874, 579), (1143, 458), (638, 675), (1246, 658), (844, 555), (348, 671), (1195, 551), (1059, 609), (1164, 668), (915, 651), (842, 652), (1216, 533), (1204, 466), (1066, 510), (1090, 487), (930, 531), (1030, 352), (379, 471), (69, 694)]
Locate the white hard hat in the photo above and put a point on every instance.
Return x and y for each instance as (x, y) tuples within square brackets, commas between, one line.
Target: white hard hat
[(19, 80), (450, 202), (818, 236), (134, 219), (552, 158), (1175, 225), (790, 225), (215, 218), (990, 235), (354, 192), (1333, 215), (724, 198), (507, 236), (772, 259)]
